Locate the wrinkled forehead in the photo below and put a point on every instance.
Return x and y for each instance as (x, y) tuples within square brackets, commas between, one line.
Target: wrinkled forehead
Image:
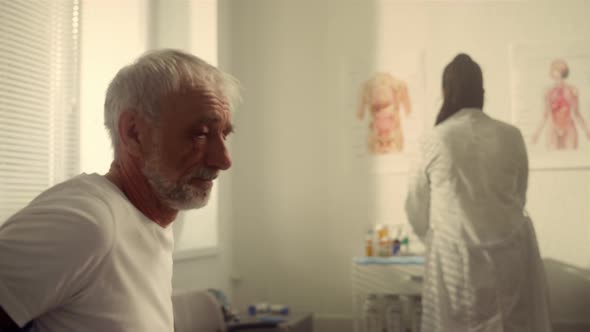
[(198, 105), (197, 100)]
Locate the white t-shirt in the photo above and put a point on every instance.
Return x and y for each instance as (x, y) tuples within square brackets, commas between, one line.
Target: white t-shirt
[(80, 257)]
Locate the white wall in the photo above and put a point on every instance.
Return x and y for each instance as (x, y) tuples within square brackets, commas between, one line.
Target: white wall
[(300, 210), (113, 33)]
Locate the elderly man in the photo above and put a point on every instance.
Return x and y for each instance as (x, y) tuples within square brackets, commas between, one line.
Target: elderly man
[(94, 253)]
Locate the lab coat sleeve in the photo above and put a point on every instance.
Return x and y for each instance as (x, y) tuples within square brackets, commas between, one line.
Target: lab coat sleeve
[(417, 203)]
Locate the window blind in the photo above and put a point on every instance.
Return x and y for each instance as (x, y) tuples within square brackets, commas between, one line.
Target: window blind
[(39, 117)]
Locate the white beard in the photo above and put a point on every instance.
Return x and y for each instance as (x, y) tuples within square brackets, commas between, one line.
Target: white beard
[(179, 195)]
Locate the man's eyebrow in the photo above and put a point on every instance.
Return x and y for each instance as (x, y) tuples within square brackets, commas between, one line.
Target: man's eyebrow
[(229, 129), (209, 118), (214, 118)]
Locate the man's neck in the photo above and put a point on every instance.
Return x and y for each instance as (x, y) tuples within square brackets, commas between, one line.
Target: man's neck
[(127, 176)]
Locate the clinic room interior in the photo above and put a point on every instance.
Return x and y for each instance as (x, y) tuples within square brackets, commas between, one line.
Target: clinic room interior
[(312, 212)]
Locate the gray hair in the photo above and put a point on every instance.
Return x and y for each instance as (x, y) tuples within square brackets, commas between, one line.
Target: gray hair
[(141, 86)]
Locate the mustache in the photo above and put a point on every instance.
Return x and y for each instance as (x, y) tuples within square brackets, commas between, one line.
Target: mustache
[(203, 173)]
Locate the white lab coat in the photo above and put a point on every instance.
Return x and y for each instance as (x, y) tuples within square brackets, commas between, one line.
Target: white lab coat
[(466, 200)]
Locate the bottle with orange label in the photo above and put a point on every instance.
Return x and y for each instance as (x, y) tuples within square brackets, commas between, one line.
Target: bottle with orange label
[(383, 241), (369, 244), (385, 246), (382, 231)]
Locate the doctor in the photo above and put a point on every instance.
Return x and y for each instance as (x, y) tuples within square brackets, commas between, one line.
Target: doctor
[(466, 199)]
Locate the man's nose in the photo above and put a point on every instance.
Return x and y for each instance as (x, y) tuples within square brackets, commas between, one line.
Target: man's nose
[(218, 156)]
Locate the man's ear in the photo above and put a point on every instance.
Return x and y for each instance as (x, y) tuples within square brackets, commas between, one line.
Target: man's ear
[(132, 133)]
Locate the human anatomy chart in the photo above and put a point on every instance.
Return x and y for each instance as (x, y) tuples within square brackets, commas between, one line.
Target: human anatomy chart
[(387, 110), (383, 97), (551, 102)]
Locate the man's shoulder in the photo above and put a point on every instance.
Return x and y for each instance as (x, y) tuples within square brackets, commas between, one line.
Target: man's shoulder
[(83, 192), (81, 207)]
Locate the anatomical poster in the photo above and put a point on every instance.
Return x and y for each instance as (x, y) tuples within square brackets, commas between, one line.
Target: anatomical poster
[(388, 110), (551, 102)]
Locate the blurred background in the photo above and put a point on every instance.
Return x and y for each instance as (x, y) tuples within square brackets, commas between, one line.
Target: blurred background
[(287, 219)]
